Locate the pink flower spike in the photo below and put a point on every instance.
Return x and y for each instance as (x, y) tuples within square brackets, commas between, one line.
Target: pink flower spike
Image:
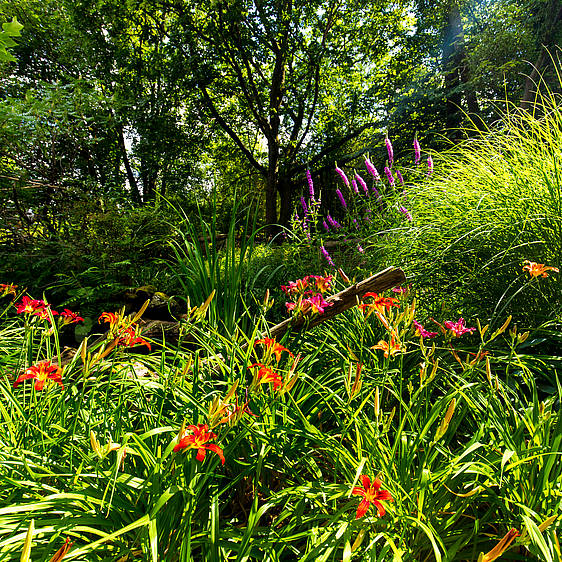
[(429, 165), (342, 175), (417, 152), (355, 188), (422, 332), (310, 185), (362, 183), (389, 150), (389, 175), (458, 328), (372, 170)]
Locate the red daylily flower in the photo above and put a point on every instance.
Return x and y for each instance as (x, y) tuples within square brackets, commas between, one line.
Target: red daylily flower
[(29, 306), (538, 269), (69, 317), (265, 375), (43, 371), (371, 493), (199, 439), (273, 347), (458, 328)]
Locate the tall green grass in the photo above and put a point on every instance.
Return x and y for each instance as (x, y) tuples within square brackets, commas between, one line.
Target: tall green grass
[(493, 201)]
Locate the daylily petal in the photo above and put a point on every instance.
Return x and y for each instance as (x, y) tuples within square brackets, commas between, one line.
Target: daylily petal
[(380, 508), (216, 449), (362, 508)]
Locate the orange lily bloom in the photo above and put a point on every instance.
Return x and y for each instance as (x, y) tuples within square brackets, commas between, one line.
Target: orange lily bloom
[(390, 349), (62, 551), (43, 371), (129, 338), (538, 269), (501, 547), (112, 318), (265, 375), (7, 289), (381, 303), (199, 439), (371, 493), (273, 347)]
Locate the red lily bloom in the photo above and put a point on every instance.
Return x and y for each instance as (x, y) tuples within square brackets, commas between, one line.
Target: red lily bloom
[(273, 347), (29, 306), (199, 439), (371, 493), (43, 371), (43, 313), (69, 317), (265, 375)]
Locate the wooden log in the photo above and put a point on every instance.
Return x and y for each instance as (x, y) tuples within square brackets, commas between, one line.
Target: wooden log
[(344, 300)]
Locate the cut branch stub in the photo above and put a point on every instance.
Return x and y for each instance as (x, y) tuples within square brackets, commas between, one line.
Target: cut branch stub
[(342, 301)]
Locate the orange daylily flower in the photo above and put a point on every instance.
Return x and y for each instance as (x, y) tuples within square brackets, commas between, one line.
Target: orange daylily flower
[(43, 371), (7, 289), (199, 439), (62, 551), (265, 375), (371, 493), (130, 338), (381, 303), (538, 269), (273, 347), (112, 318), (390, 349), (501, 547)]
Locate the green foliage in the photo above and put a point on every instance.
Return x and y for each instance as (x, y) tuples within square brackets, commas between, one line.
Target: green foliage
[(9, 30)]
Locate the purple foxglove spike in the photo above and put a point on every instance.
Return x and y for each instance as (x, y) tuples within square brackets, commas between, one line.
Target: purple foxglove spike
[(389, 175), (429, 165), (340, 197), (362, 183), (354, 184), (399, 176), (342, 175), (310, 184), (327, 256), (417, 152), (372, 170), (389, 150)]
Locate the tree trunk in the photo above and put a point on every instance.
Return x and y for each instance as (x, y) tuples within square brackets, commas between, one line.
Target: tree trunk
[(135, 194), (271, 187)]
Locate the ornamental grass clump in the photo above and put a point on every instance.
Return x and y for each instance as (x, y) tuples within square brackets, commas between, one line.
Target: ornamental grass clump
[(491, 202)]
